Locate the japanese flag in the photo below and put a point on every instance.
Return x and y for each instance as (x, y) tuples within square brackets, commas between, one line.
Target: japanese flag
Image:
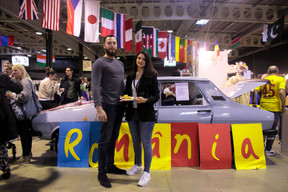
[(92, 10)]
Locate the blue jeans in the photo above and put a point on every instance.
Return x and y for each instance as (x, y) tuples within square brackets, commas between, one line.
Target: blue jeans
[(141, 132), (270, 139), (108, 136)]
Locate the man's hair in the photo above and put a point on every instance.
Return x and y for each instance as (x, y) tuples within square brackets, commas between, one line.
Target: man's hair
[(273, 69), (109, 36)]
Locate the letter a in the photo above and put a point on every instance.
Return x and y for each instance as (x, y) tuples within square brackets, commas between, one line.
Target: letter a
[(250, 150)]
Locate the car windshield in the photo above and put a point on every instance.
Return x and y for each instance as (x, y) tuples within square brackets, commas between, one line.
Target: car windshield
[(175, 93)]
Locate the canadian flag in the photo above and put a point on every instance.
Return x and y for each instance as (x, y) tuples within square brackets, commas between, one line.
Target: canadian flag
[(162, 44)]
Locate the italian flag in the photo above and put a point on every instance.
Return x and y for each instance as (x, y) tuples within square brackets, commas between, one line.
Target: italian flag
[(107, 22), (41, 60)]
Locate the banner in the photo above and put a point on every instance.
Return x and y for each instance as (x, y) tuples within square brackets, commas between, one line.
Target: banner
[(273, 31), (28, 9), (128, 35), (51, 14), (74, 15), (182, 50), (138, 37), (184, 145), (177, 47), (107, 25), (7, 40), (92, 12), (119, 29), (248, 146), (162, 44), (155, 43), (215, 146), (147, 39)]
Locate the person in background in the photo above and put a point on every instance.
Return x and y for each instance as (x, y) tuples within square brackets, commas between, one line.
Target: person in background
[(47, 89), (88, 87), (8, 68), (273, 100), (107, 85), (8, 128), (140, 114), (23, 126), (70, 87), (167, 91), (83, 89)]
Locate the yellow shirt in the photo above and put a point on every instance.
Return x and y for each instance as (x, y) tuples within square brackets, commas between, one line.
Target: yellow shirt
[(270, 94)]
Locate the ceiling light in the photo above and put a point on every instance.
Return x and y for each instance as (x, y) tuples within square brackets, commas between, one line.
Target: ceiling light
[(38, 33), (202, 22), (169, 31), (86, 58), (44, 50), (118, 58), (69, 49), (29, 55)]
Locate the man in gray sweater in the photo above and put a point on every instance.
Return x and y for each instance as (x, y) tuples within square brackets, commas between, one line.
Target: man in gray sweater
[(107, 80)]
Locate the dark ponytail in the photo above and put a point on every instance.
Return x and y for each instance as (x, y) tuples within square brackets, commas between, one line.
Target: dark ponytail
[(49, 71)]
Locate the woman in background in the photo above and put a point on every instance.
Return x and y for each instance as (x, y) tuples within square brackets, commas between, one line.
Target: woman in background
[(143, 86), (23, 126), (47, 89)]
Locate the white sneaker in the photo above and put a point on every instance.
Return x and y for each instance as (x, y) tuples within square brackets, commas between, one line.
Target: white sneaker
[(144, 179), (270, 153), (135, 170)]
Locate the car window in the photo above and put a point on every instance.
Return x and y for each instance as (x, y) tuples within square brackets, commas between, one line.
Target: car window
[(180, 93)]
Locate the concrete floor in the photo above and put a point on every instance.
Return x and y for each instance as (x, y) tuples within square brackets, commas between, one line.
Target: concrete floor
[(43, 175)]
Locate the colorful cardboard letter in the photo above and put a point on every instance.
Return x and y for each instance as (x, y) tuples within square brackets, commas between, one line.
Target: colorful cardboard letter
[(248, 146), (215, 146)]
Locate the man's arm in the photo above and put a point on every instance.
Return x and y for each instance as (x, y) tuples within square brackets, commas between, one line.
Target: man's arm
[(283, 99)]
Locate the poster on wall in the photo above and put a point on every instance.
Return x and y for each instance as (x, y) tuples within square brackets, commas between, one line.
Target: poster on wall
[(87, 64)]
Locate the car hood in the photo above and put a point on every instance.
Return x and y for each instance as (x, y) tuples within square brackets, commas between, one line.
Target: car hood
[(243, 87)]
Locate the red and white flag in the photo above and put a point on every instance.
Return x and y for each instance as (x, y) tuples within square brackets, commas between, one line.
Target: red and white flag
[(51, 14), (74, 15), (128, 35), (162, 44), (92, 15), (28, 9), (138, 36), (119, 29)]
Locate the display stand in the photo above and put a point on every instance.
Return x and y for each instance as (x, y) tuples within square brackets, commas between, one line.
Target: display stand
[(284, 134)]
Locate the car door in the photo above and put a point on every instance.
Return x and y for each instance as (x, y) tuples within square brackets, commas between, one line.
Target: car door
[(185, 103)]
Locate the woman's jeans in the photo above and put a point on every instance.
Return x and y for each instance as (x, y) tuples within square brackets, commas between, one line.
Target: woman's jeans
[(141, 132)]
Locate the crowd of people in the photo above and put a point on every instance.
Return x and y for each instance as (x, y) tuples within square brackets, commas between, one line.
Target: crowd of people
[(107, 84)]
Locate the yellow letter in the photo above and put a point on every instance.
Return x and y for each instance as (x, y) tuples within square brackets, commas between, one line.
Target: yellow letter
[(93, 147), (180, 139), (70, 146), (214, 148)]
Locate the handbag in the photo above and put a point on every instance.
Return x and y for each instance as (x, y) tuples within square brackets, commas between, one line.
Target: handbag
[(29, 109)]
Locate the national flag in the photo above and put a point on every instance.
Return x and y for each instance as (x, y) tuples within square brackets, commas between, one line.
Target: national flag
[(51, 14), (128, 35), (41, 60), (273, 31), (147, 39), (107, 25), (217, 49), (28, 9), (162, 44), (182, 50), (119, 29), (177, 48), (155, 43), (74, 15), (186, 46), (7, 40), (92, 13), (173, 48), (138, 36), (235, 41)]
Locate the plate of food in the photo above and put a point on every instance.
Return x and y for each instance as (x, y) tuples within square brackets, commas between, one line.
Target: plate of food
[(126, 98)]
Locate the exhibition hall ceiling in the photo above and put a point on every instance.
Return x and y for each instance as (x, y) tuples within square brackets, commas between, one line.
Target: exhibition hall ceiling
[(227, 19)]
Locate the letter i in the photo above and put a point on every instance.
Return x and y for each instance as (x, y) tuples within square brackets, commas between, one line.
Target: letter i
[(213, 151)]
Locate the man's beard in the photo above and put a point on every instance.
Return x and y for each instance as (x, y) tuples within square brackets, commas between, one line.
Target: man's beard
[(110, 54)]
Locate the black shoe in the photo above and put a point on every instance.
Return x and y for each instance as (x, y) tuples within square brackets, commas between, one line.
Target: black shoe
[(6, 175), (115, 170), (104, 181)]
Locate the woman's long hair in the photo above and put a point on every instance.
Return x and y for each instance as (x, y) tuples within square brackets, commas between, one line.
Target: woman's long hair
[(25, 74), (149, 69)]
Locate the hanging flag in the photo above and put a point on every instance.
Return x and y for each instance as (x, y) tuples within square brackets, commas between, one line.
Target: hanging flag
[(217, 49), (7, 40), (173, 48), (147, 39), (28, 9), (138, 36), (92, 12), (186, 46), (273, 31), (155, 43), (182, 50), (74, 15), (51, 14), (128, 35), (235, 42), (177, 48), (41, 60), (162, 44), (119, 29), (107, 25)]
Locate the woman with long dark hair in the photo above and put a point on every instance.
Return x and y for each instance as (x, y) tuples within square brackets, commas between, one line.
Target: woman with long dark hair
[(142, 85)]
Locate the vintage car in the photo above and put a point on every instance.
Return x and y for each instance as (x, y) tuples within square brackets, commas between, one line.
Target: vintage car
[(193, 100)]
